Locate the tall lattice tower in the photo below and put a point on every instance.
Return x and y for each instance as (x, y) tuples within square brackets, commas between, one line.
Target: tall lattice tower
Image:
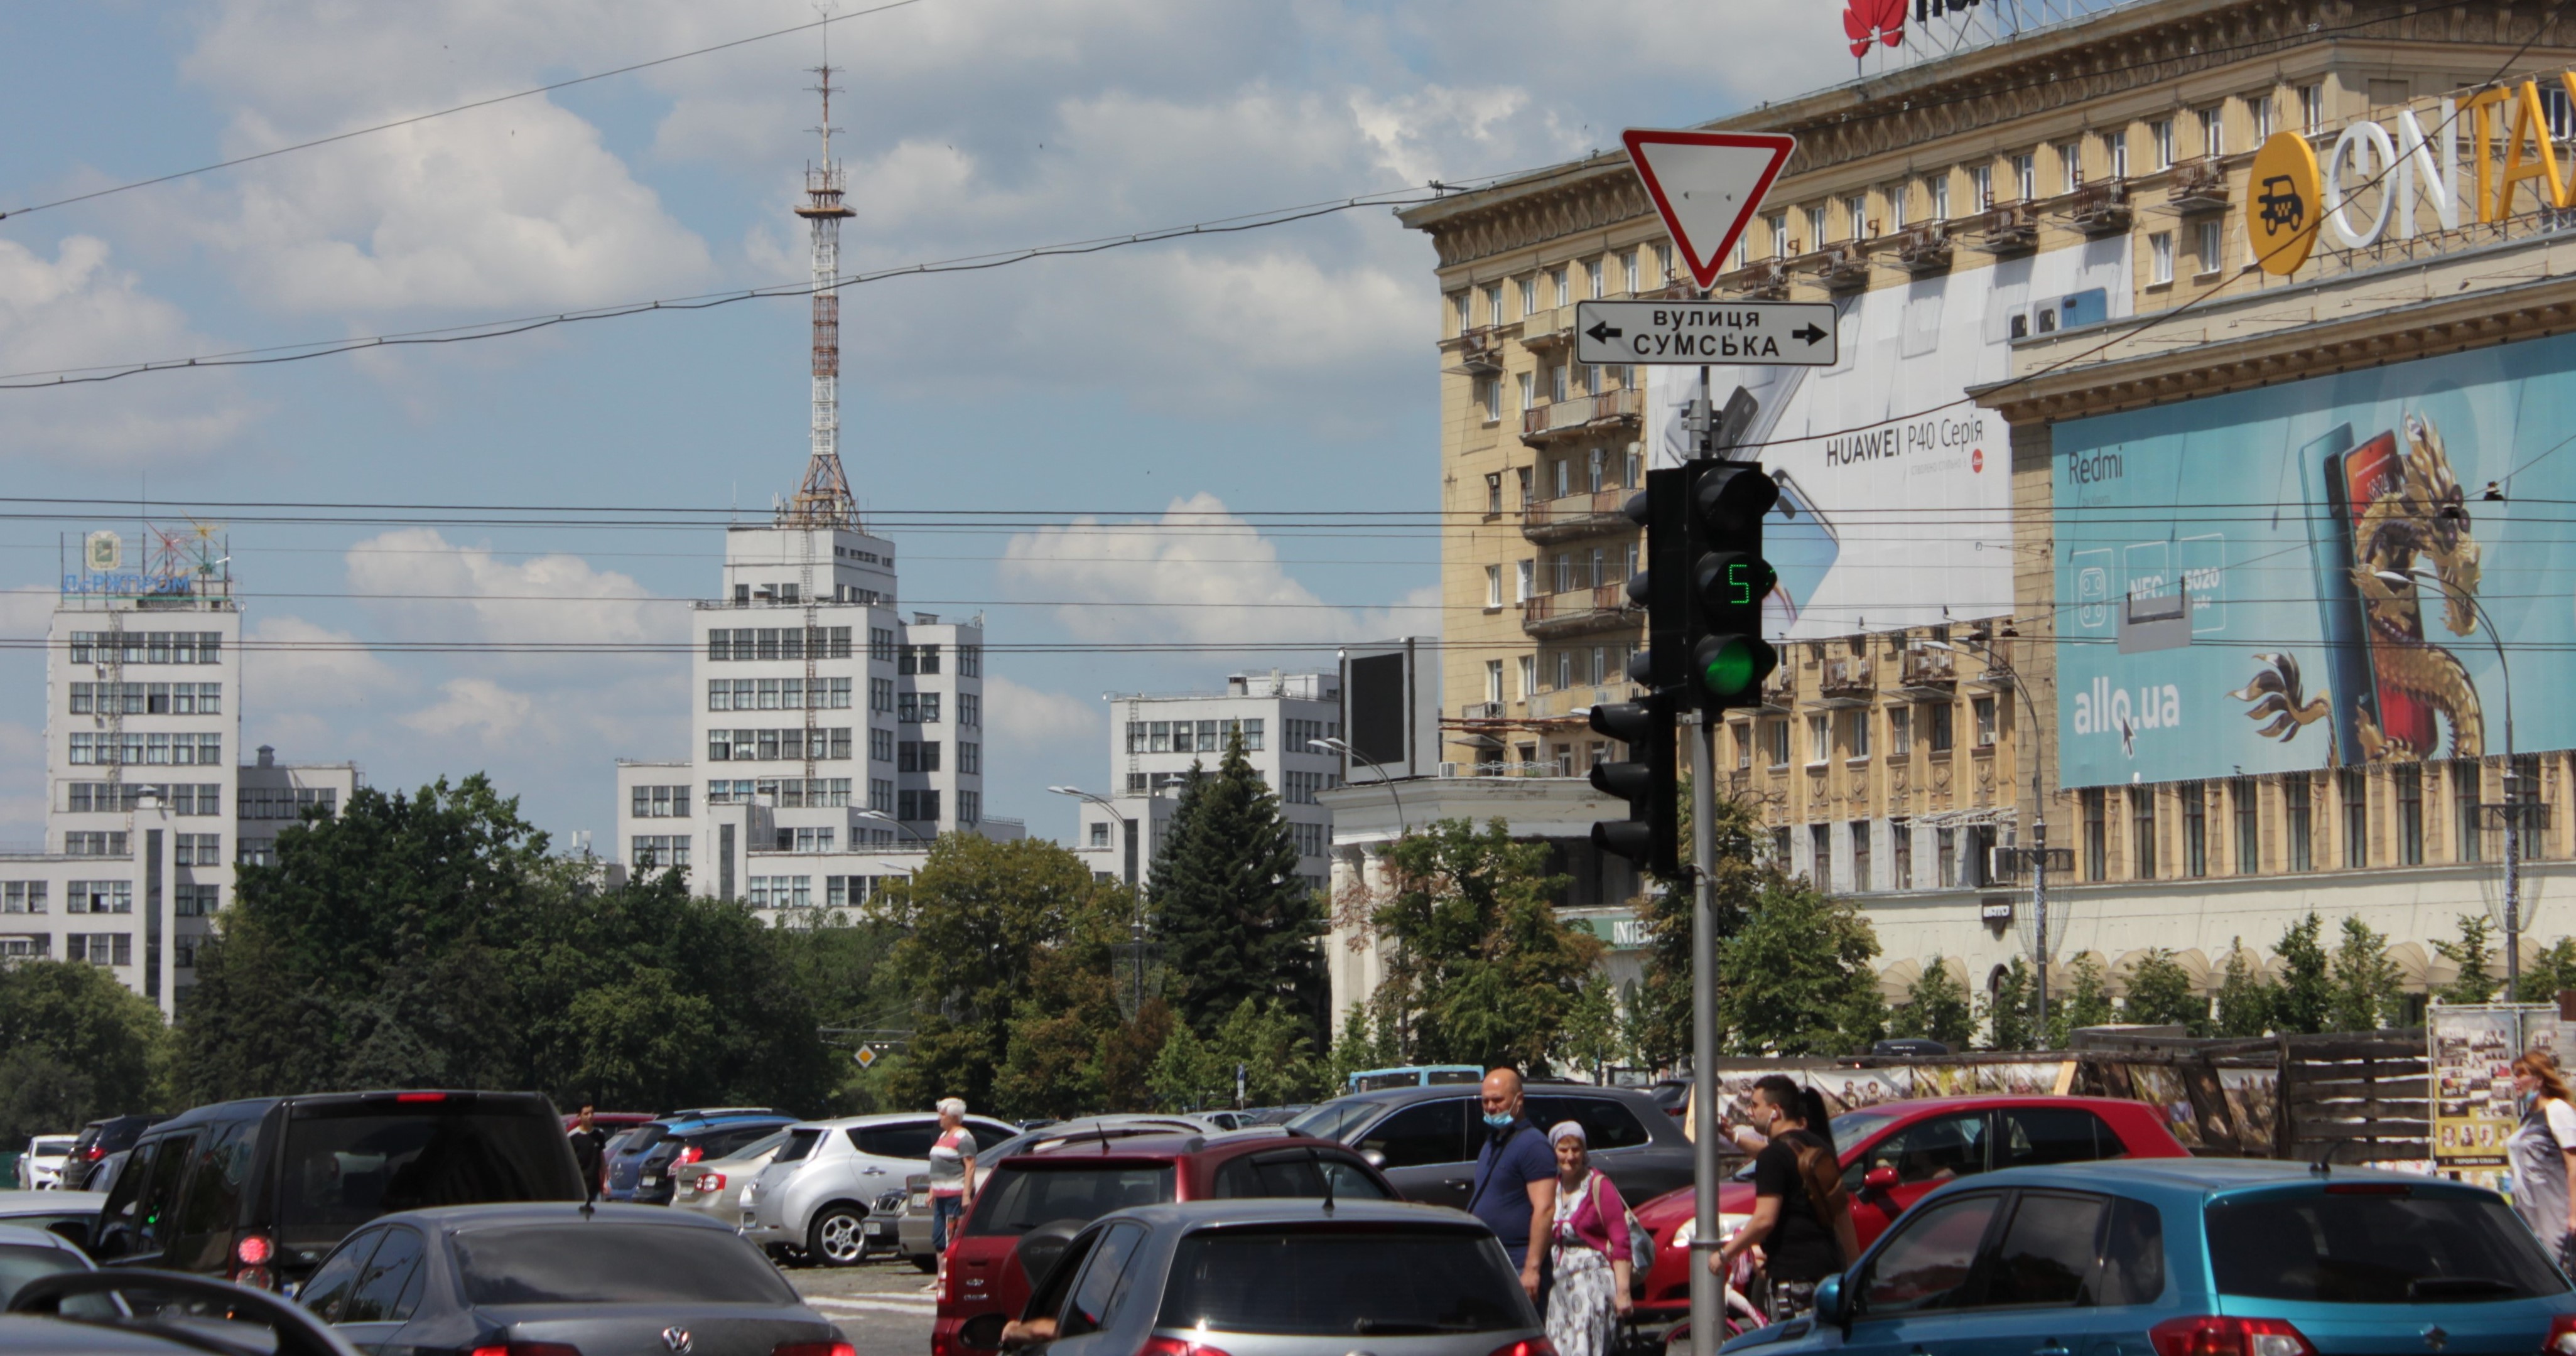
[(824, 499)]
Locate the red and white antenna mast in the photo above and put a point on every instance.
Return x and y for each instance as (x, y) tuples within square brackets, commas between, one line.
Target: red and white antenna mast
[(824, 498)]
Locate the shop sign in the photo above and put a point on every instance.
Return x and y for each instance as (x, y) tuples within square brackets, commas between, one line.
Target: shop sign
[(2416, 166)]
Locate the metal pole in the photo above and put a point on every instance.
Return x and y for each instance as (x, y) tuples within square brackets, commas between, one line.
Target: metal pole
[(1135, 897), (1706, 1297)]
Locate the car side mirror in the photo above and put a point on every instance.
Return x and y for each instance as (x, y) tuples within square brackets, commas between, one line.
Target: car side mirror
[(1829, 1302), (1374, 1159), (1880, 1178)]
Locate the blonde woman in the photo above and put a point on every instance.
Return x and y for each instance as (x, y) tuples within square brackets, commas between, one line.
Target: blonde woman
[(2542, 1151), (1589, 1251)]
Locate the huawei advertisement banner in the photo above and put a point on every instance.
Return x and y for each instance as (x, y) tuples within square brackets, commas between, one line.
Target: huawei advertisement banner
[(2305, 576), (1895, 489)]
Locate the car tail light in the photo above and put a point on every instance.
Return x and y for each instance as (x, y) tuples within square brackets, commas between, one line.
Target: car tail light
[(253, 1250), (2369, 1189), (1173, 1346), (813, 1349), (2206, 1335), (692, 1154), (711, 1181), (528, 1349), (257, 1278), (420, 1097), (1534, 1346), (2561, 1340), (96, 1153)]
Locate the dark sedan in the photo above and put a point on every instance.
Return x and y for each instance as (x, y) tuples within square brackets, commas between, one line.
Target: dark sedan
[(551, 1276), (1425, 1139)]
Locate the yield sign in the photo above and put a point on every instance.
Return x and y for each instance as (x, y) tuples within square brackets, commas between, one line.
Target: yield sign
[(1708, 185)]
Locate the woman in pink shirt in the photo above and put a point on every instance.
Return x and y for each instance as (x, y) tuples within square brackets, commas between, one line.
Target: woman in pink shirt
[(1589, 1251)]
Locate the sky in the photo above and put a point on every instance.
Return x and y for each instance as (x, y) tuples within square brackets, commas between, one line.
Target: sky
[(1281, 370)]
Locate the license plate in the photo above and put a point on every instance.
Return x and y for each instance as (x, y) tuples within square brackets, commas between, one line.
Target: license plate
[(879, 1229), (649, 1179)]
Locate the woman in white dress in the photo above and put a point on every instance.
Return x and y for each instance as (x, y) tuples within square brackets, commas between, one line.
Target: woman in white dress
[(2542, 1151), (1588, 1251)]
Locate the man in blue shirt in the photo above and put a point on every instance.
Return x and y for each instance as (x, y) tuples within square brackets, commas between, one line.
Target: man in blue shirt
[(1515, 1187)]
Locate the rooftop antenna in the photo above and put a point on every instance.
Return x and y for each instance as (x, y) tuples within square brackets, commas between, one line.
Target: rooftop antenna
[(823, 498)]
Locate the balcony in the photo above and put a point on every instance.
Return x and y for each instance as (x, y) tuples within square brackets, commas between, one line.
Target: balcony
[(1928, 674), (2012, 228), (1847, 680), (1578, 515), (1572, 418), (1924, 250), (1780, 690), (2102, 209), (2198, 186), (1575, 611), (1765, 281), (1549, 330), (1843, 267), (1478, 353)]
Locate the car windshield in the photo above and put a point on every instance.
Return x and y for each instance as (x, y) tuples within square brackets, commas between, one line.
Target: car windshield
[(345, 1165), (1022, 1196), (761, 1145), (601, 1263), (20, 1264), (1332, 1118), (47, 1146), (2388, 1246), (644, 1137), (799, 1143), (1356, 1282), (1850, 1129)]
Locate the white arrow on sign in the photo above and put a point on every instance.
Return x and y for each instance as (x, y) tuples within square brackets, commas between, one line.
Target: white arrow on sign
[(1707, 185), (1755, 333)]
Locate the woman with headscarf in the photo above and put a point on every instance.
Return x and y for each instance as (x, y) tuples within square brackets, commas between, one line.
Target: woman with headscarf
[(1801, 1214), (1588, 1251), (2542, 1152)]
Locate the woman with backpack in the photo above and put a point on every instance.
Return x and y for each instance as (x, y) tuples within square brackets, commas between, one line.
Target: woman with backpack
[(1590, 1253), (2542, 1152), (1801, 1214)]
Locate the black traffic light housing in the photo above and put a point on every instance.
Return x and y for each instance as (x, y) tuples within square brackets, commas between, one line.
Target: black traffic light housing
[(1651, 834), (1727, 657)]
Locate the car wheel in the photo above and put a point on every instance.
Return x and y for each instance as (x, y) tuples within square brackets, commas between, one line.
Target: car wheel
[(925, 1262), (838, 1236)]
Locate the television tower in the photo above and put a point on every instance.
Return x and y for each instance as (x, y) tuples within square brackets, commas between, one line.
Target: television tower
[(824, 499)]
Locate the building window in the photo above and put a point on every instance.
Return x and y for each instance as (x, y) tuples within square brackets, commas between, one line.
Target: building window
[(1896, 206), (98, 896), (1529, 676), (1861, 880), (1780, 237), (1815, 228), (917, 805), (881, 743), (2115, 150), (970, 709), (1900, 731), (659, 802), (2026, 175), (1820, 739), (2195, 829), (970, 759), (2249, 826), (2212, 241), (1493, 303), (2312, 108), (1493, 679), (23, 896), (1775, 739), (1820, 847), (2213, 132), (2142, 831), (2160, 258), (1628, 271), (2409, 781), (1664, 261), (1856, 217), (653, 852), (1494, 587), (2070, 166), (194, 901), (2260, 106), (1592, 276), (2298, 827), (197, 849), (1936, 726), (1857, 732), (1945, 857), (1940, 187), (2097, 834), (99, 948), (1900, 855), (2468, 793), (1984, 710), (2524, 790), (2353, 785), (1981, 186), (2160, 136), (917, 756), (88, 844)]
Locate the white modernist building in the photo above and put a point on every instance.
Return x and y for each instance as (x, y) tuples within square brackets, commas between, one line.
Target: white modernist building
[(1155, 739), (145, 813)]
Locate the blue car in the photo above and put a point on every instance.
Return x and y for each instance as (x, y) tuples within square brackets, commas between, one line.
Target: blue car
[(640, 1169), (2192, 1257)]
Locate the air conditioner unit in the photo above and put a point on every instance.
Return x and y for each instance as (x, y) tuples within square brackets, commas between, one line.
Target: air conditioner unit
[(1448, 769)]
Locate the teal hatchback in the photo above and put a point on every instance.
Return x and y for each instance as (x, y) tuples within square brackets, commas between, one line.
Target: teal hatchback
[(2193, 1257)]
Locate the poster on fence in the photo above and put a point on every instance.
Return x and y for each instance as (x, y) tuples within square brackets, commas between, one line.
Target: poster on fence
[(2471, 1075), (2253, 1102)]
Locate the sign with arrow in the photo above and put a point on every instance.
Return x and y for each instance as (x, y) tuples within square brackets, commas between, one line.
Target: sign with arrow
[(1707, 185), (1755, 333)]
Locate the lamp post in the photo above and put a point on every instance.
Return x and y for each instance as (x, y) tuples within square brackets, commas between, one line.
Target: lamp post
[(924, 839), (2037, 853), (1127, 836), (2513, 806), (1343, 748)]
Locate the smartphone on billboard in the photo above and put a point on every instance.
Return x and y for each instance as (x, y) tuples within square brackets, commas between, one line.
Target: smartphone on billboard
[(1801, 545), (2369, 471), (2349, 689)]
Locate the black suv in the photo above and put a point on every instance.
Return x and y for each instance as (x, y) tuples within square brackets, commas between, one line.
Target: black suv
[(99, 1139), (257, 1191), (1425, 1139)]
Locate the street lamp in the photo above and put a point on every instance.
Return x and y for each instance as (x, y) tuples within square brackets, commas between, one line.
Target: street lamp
[(1127, 831), (883, 817), (1343, 748), (2038, 851), (2512, 807)]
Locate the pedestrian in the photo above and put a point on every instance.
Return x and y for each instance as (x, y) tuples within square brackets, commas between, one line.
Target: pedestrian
[(952, 1177), (587, 1142), (2542, 1152), (1514, 1191), (1801, 1214), (1589, 1260)]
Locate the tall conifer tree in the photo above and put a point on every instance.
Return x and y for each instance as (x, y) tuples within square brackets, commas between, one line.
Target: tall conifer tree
[(1233, 919)]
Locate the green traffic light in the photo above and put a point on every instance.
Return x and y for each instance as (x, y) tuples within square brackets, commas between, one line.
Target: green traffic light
[(1728, 667)]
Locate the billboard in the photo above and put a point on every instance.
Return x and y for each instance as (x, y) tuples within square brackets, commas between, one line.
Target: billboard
[(1896, 490), (2304, 576)]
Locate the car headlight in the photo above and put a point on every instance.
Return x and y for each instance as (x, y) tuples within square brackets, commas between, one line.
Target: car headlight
[(1727, 1227)]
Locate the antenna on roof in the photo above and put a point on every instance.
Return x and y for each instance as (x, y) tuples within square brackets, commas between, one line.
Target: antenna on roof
[(1327, 1174)]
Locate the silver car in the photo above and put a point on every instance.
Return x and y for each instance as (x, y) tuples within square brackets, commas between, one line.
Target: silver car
[(71, 1215), (41, 1167), (815, 1196), (913, 1233), (714, 1186), (1280, 1278)]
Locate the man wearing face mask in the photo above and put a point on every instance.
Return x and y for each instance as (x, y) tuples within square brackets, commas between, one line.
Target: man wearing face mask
[(1515, 1186)]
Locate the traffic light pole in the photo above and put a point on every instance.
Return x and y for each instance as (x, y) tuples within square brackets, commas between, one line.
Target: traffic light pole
[(1707, 1295)]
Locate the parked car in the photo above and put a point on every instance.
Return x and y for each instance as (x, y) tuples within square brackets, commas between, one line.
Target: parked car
[(98, 1139), (41, 1167), (257, 1191), (27, 1253), (713, 1186), (86, 1310), (1282, 1278), (103, 1177), (1426, 1138), (1035, 1201), (612, 1121), (815, 1196), (2193, 1256), (1414, 1076), (1895, 1153), (561, 1278), (640, 1171), (70, 1215), (913, 1231)]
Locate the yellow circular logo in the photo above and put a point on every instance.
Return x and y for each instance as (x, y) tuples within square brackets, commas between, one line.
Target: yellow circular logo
[(2283, 208)]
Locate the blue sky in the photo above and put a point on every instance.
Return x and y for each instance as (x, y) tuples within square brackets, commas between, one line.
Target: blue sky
[(1289, 369)]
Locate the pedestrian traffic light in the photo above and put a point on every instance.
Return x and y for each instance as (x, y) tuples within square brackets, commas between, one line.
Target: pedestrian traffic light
[(1651, 834), (1729, 579)]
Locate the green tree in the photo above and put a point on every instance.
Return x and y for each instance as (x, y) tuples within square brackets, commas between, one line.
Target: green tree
[(2365, 987), (1479, 970), (2087, 1002), (2548, 970), (1936, 1005), (2473, 984), (2007, 1012), (1273, 1046), (1235, 920), (1662, 1011), (2304, 1001), (1796, 980), (74, 1045), (1593, 1029), (2246, 997), (1188, 1075), (2161, 993), (1365, 1042)]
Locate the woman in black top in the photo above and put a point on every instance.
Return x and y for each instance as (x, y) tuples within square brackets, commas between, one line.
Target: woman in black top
[(1801, 1214)]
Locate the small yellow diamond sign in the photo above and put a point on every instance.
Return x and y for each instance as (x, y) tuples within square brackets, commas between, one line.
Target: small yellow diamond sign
[(2285, 192), (867, 1056)]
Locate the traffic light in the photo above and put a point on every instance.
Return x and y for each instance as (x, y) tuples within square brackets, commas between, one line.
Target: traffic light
[(1728, 581), (1651, 834)]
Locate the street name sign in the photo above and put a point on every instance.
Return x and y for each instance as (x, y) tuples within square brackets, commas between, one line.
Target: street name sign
[(1755, 333), (1707, 186)]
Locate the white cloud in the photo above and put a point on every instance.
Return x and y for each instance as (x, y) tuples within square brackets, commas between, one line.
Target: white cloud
[(495, 716), (426, 587), (1022, 717), (1198, 573), (75, 310), (293, 664)]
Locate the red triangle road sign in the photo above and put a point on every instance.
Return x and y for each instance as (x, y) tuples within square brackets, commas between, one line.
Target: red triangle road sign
[(1707, 185)]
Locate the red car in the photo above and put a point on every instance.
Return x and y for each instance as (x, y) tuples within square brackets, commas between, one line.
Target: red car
[(1895, 1152), (1035, 1201)]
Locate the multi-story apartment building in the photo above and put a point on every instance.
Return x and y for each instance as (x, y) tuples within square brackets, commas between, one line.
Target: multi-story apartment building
[(1156, 738), (145, 813), (2006, 230)]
